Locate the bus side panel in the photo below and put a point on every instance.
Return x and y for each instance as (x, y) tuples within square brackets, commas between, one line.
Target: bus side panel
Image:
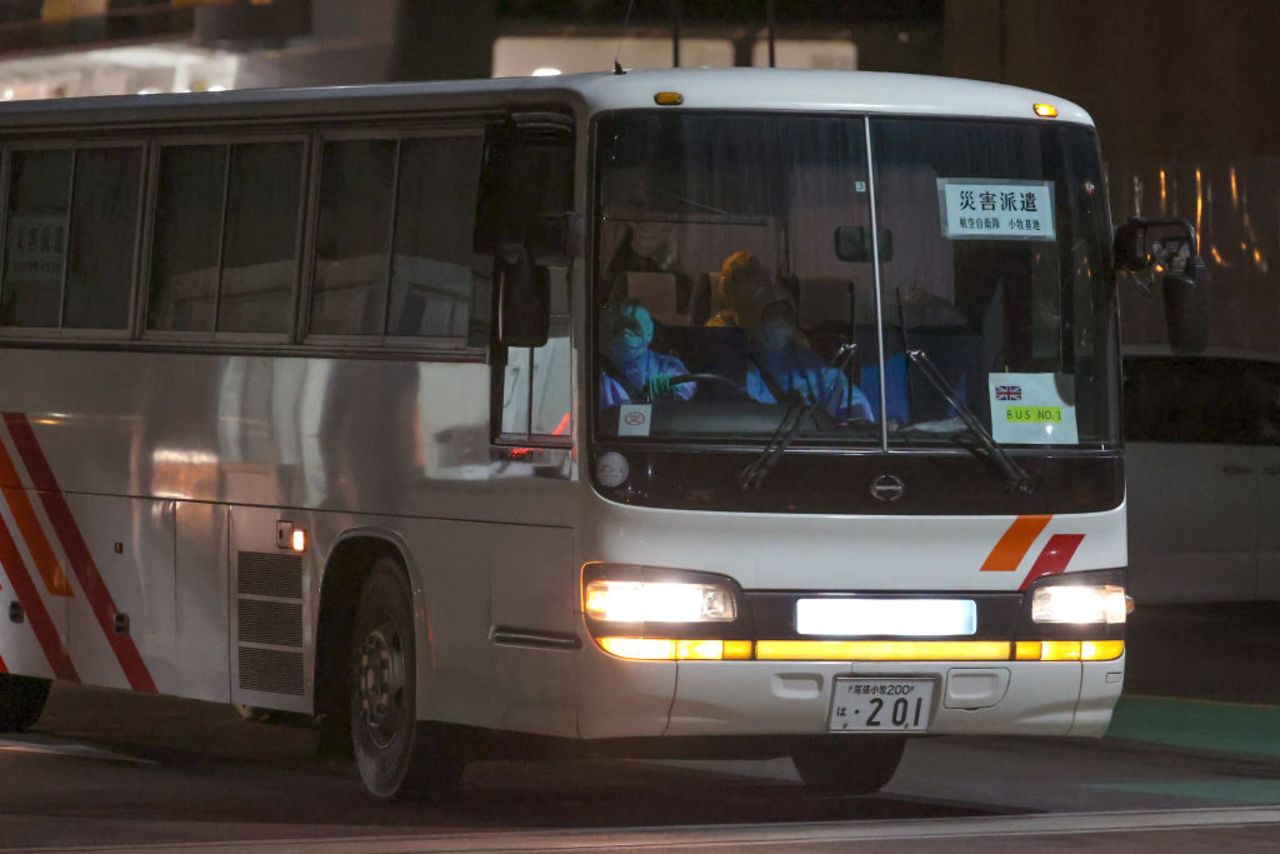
[(25, 645), (449, 568), (536, 630), (122, 626), (202, 603)]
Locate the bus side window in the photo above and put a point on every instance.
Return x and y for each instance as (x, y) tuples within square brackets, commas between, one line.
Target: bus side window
[(35, 258), (433, 268), (70, 246), (102, 243), (357, 188), (393, 242), (184, 253), (260, 249)]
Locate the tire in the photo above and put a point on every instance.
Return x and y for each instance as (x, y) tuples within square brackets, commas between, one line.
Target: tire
[(848, 764), (398, 756), (255, 714), (22, 700)]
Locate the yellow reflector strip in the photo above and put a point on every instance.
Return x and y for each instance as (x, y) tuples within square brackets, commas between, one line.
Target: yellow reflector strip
[(668, 99), (1028, 651), (1060, 650), (703, 650), (1045, 111), (883, 650), (666, 649), (1104, 650), (1100, 650), (647, 649)]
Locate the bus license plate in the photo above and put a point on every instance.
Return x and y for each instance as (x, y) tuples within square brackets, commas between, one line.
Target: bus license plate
[(881, 705)]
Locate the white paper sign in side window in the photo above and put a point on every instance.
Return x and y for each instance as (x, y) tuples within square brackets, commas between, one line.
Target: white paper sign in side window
[(985, 209)]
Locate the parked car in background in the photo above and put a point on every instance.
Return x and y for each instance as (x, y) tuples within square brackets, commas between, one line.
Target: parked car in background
[(1203, 471)]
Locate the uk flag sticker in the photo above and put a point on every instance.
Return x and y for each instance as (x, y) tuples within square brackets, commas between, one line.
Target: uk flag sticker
[(1008, 392)]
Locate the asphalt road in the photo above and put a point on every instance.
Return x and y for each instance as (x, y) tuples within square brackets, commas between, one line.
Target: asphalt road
[(1182, 769)]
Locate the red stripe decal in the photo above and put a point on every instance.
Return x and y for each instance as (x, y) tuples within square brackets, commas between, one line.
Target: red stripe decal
[(3, 669), (1013, 546), (55, 581), (55, 505), (1055, 556), (33, 606)]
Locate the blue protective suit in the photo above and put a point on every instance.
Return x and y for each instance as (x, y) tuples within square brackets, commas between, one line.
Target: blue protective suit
[(796, 368), (638, 372)]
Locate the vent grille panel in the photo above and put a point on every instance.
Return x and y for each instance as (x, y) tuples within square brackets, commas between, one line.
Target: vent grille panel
[(267, 574), (271, 671), (278, 623)]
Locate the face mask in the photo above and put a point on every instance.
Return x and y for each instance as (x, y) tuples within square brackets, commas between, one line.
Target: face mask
[(775, 334), (627, 349)]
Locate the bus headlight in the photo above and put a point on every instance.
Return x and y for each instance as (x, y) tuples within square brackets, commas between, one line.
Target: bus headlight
[(1079, 604), (616, 601)]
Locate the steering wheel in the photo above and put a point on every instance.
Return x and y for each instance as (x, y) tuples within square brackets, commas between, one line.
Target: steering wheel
[(711, 378)]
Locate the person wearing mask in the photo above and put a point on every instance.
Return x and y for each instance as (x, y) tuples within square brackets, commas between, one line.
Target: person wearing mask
[(743, 289), (779, 366), (630, 371)]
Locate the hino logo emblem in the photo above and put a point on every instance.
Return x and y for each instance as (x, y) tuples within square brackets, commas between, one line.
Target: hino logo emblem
[(888, 487)]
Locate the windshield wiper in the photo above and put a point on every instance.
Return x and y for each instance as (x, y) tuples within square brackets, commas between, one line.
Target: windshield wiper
[(1016, 475), (754, 472)]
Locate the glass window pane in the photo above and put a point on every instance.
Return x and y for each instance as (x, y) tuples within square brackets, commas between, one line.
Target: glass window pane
[(356, 186), (1194, 400), (431, 276), (185, 248), (104, 231), (997, 273), (515, 392), (260, 254), (716, 255), (552, 394), (37, 242)]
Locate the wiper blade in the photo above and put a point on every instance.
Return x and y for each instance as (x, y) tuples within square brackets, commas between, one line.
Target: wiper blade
[(1016, 475), (754, 473)]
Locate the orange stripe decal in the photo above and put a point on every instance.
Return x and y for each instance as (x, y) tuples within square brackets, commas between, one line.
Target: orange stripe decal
[(1015, 544), (55, 580)]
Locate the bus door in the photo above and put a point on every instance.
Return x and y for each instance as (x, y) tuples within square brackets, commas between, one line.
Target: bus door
[(524, 222)]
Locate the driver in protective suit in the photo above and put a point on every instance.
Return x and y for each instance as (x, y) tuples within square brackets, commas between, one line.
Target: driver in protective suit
[(780, 361), (631, 371)]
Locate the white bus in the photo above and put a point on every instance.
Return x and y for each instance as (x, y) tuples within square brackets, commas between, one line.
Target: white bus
[(312, 402)]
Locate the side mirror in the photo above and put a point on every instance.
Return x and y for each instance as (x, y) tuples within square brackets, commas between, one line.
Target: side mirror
[(524, 297), (853, 244), (1168, 249)]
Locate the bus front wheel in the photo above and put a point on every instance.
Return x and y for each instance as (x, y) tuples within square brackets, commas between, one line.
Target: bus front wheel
[(848, 764), (22, 700), (398, 756)]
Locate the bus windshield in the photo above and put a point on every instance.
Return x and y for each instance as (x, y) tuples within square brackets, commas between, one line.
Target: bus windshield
[(736, 278)]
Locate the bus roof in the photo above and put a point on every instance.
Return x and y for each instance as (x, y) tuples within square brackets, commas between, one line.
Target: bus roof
[(701, 88)]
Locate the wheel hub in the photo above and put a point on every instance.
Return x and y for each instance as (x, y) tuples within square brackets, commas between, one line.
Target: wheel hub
[(381, 675)]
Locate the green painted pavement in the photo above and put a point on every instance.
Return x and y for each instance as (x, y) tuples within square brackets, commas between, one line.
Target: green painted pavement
[(1237, 728), (1214, 789), (1198, 724)]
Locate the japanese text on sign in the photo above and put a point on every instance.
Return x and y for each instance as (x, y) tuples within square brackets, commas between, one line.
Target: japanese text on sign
[(974, 208), (37, 248)]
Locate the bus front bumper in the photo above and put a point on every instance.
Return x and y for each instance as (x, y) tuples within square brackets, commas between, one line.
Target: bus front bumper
[(626, 699)]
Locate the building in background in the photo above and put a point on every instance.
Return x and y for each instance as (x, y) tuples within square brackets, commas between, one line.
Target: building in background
[(68, 48), (1180, 88)]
